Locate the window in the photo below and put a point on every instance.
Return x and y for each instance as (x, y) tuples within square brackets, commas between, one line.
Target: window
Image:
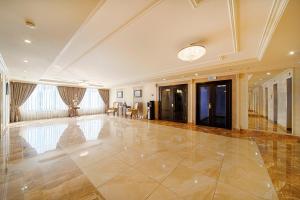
[(91, 103), (45, 102)]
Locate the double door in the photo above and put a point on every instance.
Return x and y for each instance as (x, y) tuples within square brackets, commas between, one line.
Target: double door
[(214, 104), (173, 103)]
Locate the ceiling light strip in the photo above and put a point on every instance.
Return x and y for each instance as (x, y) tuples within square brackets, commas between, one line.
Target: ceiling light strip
[(234, 25)]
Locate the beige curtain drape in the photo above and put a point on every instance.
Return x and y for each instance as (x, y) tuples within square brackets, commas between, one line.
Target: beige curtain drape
[(68, 94), (105, 97), (19, 94)]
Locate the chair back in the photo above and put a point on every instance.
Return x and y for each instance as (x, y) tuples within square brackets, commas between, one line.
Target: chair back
[(136, 106), (115, 105)]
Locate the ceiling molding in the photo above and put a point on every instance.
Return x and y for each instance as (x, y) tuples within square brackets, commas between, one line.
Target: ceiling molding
[(127, 23), (233, 19), (195, 3), (76, 34), (3, 66), (276, 12), (194, 69)]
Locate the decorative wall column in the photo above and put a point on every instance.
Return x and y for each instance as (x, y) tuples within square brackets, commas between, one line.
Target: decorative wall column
[(296, 101), (243, 100)]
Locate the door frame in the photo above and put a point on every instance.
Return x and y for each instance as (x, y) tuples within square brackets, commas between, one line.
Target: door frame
[(172, 87), (228, 83)]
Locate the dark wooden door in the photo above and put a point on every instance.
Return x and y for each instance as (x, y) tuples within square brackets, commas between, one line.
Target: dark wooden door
[(213, 107), (173, 103)]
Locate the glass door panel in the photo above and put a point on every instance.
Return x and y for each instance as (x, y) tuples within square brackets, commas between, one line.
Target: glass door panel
[(220, 106), (214, 104), (180, 103), (166, 104), (204, 108)]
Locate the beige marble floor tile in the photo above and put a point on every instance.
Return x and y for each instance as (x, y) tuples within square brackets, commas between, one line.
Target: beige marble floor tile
[(131, 157), (190, 184), (125, 154), (207, 167), (162, 193), (157, 168), (130, 184), (104, 170), (248, 177), (88, 156), (227, 192)]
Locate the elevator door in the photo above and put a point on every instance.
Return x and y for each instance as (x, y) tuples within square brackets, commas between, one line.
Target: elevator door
[(275, 103), (213, 107), (173, 103)]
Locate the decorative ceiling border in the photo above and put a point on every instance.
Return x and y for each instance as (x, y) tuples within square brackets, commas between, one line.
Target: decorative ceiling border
[(234, 25), (3, 66), (127, 23), (276, 12), (195, 3)]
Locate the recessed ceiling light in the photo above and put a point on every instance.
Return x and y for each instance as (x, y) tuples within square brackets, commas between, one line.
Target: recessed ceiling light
[(292, 52), (268, 73), (24, 71), (196, 74), (191, 53), (25, 61), (27, 41), (164, 79)]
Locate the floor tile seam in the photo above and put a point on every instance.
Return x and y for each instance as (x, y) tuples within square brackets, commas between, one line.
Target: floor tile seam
[(157, 182), (277, 192), (217, 180), (161, 185), (242, 190), (97, 186)]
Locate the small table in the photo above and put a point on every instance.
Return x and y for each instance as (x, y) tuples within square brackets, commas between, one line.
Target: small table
[(73, 111)]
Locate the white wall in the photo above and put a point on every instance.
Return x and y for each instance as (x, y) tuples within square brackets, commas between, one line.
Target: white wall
[(4, 98), (280, 80), (149, 93), (296, 101)]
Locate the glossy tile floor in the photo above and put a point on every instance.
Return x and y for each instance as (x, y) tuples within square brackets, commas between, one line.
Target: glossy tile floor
[(101, 157), (262, 124)]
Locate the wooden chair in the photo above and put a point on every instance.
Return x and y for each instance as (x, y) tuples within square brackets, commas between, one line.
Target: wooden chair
[(114, 109), (133, 112)]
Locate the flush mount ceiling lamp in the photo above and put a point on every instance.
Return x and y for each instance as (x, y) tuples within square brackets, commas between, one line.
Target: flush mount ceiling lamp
[(191, 53)]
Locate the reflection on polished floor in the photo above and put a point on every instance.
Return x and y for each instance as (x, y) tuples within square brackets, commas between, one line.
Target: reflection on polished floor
[(102, 157), (262, 124)]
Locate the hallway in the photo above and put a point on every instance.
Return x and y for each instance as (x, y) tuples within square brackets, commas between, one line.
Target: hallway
[(262, 124)]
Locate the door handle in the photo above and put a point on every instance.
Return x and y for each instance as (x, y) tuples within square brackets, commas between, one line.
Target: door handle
[(209, 106)]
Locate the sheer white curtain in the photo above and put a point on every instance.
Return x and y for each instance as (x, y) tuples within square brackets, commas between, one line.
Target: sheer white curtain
[(91, 103), (45, 102)]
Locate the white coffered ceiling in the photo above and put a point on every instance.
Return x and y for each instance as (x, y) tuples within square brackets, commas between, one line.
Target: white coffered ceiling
[(111, 42)]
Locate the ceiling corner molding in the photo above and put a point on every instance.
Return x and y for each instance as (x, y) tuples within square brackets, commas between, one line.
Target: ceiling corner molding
[(233, 19), (127, 23), (76, 34), (195, 3), (3, 66), (276, 12)]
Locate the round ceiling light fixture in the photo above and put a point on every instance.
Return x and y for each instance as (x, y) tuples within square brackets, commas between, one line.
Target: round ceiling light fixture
[(191, 53)]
